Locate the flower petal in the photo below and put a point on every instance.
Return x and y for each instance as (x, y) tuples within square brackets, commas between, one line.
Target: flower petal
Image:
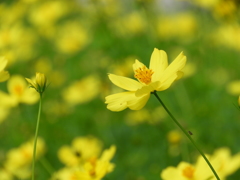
[(139, 103), (171, 173), (147, 89), (118, 102), (4, 75), (172, 72), (3, 63), (165, 85), (137, 65), (121, 101), (158, 64), (124, 82)]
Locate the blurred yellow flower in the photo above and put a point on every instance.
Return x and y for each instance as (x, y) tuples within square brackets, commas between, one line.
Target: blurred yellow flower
[(158, 77), (186, 171), (50, 10), (225, 9), (18, 160), (82, 91), (228, 35), (72, 37), (186, 23), (130, 24), (174, 137), (224, 163), (4, 75), (39, 84), (96, 169), (18, 41), (82, 149), (93, 168), (5, 175), (234, 87), (66, 173), (18, 93)]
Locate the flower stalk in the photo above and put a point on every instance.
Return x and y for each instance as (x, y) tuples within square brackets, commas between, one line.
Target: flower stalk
[(36, 136), (187, 134), (39, 84)]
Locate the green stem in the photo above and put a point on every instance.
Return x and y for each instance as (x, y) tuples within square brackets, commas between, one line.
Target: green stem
[(188, 135), (36, 136)]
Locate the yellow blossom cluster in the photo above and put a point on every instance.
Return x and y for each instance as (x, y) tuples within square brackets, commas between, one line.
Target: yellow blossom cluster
[(18, 92), (225, 164), (82, 91), (85, 160), (18, 160)]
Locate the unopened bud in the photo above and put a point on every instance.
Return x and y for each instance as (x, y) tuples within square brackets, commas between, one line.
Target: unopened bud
[(39, 84)]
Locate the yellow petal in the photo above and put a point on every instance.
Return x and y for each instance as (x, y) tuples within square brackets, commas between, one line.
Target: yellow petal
[(31, 83), (108, 154), (137, 65), (171, 173), (147, 89), (124, 82), (121, 101), (7, 101), (138, 103), (4, 75), (179, 75), (165, 85), (158, 64), (3, 63), (118, 102), (172, 71)]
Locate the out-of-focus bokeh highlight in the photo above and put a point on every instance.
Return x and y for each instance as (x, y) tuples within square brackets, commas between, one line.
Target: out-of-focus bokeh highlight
[(76, 44)]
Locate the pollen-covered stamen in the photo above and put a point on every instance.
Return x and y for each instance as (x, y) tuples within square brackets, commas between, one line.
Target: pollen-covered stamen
[(143, 74)]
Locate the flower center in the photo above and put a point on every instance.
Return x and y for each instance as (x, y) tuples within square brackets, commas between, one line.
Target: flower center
[(143, 74), (188, 172), (18, 89)]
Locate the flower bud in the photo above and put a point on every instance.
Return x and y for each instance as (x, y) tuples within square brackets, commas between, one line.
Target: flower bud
[(39, 84)]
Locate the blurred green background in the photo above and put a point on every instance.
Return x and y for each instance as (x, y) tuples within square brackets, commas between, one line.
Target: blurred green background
[(76, 43)]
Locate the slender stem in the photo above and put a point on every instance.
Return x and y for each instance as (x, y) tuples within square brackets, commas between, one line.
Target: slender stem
[(36, 136), (186, 133)]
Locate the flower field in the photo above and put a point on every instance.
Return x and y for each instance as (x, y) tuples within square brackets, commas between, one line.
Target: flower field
[(131, 89)]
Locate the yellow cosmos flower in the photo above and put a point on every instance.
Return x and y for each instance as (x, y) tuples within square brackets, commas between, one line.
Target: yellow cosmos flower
[(77, 153), (18, 160), (224, 162), (186, 171), (158, 77), (18, 93)]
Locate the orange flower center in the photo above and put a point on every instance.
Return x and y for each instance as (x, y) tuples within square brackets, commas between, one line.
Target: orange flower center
[(188, 172), (143, 74), (18, 89)]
